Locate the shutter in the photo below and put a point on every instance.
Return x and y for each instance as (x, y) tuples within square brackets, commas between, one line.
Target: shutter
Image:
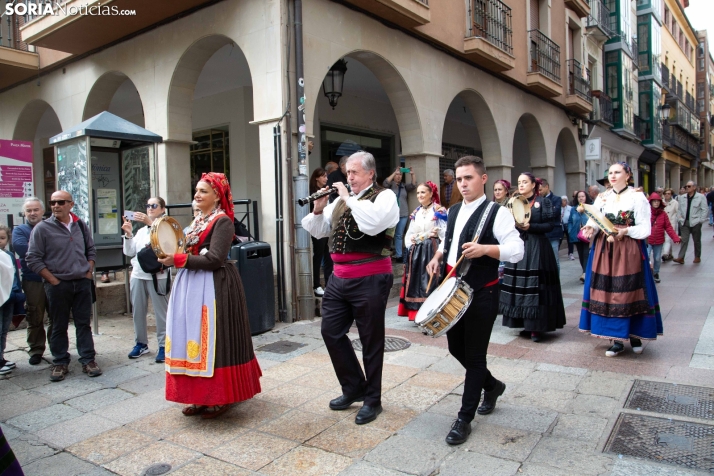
[(535, 15)]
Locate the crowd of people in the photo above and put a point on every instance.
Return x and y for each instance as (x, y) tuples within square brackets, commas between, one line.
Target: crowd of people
[(508, 260)]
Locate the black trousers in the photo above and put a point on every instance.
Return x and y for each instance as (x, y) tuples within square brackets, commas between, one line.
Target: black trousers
[(364, 301), (75, 297), (320, 252), (468, 343), (583, 253)]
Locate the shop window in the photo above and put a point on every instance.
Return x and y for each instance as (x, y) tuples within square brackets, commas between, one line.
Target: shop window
[(210, 153), (335, 142)]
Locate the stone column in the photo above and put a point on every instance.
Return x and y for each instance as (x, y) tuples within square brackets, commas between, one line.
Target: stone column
[(425, 167), (547, 172), (674, 172), (659, 173), (574, 181), (174, 176), (686, 175)]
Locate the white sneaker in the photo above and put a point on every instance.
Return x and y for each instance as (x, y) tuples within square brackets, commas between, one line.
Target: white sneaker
[(572, 258), (319, 292), (7, 367)]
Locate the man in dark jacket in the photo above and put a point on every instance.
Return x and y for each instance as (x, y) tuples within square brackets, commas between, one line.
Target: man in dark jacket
[(32, 283), (337, 176), (555, 236), (710, 204), (62, 252)]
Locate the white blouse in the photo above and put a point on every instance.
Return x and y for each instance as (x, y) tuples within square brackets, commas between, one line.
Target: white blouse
[(135, 244), (422, 226), (613, 203)]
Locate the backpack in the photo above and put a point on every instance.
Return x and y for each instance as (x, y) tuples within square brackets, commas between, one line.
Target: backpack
[(149, 263)]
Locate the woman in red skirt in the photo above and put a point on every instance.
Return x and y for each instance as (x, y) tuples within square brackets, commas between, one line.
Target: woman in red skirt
[(210, 362)]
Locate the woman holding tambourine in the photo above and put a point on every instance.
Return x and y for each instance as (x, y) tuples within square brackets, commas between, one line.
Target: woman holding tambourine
[(210, 362), (142, 285), (531, 298), (620, 298)]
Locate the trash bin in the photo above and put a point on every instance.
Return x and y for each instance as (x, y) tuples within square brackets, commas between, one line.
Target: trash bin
[(255, 266)]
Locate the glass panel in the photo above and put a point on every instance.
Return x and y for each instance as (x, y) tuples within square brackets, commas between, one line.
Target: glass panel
[(217, 140), (218, 165), (139, 184), (72, 175)]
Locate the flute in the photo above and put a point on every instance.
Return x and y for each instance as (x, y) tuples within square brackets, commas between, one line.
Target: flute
[(315, 196)]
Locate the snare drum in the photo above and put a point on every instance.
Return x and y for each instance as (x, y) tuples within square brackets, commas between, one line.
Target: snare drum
[(166, 237), (444, 307), (520, 209)]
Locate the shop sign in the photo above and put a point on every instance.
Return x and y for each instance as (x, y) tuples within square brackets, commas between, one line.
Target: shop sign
[(593, 149), (15, 176)]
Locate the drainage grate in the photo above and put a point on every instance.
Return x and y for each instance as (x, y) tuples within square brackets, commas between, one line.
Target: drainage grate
[(281, 347), (157, 469), (657, 397), (663, 440), (391, 344)]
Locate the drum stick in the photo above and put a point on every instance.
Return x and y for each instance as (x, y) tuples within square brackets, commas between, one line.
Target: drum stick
[(429, 283), (453, 270)]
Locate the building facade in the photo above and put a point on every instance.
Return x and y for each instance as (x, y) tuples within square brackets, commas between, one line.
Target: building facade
[(705, 104)]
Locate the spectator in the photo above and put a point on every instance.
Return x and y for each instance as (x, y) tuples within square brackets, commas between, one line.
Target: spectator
[(660, 225), (671, 207), (576, 221), (564, 217), (450, 194), (555, 236), (62, 252), (692, 213), (144, 285), (7, 300), (682, 191), (500, 192), (36, 303), (593, 192), (710, 203), (331, 167), (196, 211), (401, 190), (320, 252), (337, 176)]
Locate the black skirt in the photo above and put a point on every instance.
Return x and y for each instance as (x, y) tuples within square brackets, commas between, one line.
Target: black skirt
[(416, 278)]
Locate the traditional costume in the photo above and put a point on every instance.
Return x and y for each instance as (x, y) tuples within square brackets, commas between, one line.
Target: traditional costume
[(209, 351), (530, 293), (620, 299), (427, 228)]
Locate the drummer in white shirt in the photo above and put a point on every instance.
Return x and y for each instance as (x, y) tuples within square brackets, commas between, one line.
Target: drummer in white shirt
[(498, 241), (142, 284)]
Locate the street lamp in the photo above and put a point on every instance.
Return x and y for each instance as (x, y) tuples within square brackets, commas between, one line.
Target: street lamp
[(334, 81), (664, 113)]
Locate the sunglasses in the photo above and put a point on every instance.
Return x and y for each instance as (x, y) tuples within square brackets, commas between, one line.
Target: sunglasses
[(687, 186), (58, 202), (153, 206)]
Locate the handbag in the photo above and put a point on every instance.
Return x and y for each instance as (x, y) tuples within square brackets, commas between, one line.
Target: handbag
[(581, 236), (149, 263)]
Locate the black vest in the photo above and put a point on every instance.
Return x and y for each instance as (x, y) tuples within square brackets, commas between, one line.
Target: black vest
[(483, 270), (346, 236)]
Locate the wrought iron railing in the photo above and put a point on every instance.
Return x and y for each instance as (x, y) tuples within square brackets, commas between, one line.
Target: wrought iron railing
[(491, 20), (677, 137), (423, 2), (10, 30), (680, 91), (599, 16), (578, 80), (545, 56), (665, 76), (602, 109), (689, 101)]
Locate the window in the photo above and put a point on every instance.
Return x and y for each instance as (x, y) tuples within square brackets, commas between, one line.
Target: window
[(700, 90), (210, 153), (700, 50), (701, 65), (667, 18)]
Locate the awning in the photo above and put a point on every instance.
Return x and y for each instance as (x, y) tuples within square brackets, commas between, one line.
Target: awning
[(106, 125)]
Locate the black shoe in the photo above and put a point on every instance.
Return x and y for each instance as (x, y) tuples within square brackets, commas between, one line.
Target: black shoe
[(367, 414), (656, 278), (489, 398), (459, 433), (616, 349), (343, 402), (35, 359), (535, 336)]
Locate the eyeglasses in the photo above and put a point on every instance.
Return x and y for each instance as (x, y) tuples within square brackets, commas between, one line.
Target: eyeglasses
[(58, 202), (153, 206), (686, 186)]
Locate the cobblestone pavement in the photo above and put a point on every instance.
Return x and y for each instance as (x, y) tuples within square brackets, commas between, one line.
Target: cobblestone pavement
[(562, 402)]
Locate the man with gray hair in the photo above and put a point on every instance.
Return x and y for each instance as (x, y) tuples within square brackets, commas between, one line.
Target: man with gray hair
[(360, 225), (32, 286), (449, 194)]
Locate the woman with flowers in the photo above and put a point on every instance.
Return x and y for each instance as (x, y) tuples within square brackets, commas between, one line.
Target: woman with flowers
[(620, 299), (426, 231), (210, 362), (530, 293)]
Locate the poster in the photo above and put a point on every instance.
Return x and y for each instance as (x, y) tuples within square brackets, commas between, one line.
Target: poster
[(107, 211), (15, 177)]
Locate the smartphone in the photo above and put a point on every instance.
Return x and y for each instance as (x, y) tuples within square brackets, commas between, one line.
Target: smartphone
[(405, 170), (129, 215)]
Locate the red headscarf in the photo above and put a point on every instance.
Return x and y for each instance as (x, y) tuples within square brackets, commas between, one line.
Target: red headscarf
[(221, 187), (434, 192)]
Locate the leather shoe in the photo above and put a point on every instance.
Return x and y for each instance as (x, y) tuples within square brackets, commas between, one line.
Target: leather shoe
[(343, 402), (367, 414), (459, 433), (679, 261), (697, 260), (489, 398)]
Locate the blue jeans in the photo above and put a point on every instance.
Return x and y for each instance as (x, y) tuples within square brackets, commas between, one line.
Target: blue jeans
[(556, 246), (399, 236), (5, 321), (655, 250), (711, 215)]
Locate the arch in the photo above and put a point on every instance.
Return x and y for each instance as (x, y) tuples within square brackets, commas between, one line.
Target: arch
[(183, 83), (397, 90), (566, 140), (29, 120), (102, 93), (486, 125), (535, 139)]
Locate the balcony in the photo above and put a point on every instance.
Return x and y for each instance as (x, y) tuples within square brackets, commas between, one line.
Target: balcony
[(489, 42), (689, 101), (544, 70), (580, 7), (83, 32), (18, 61), (602, 109), (597, 23), (405, 13), (678, 140), (578, 98), (665, 78)]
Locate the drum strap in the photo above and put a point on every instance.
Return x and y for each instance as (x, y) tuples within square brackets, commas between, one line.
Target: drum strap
[(464, 268)]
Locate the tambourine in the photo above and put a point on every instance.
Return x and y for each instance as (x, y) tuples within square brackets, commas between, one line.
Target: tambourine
[(166, 237), (520, 208)]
